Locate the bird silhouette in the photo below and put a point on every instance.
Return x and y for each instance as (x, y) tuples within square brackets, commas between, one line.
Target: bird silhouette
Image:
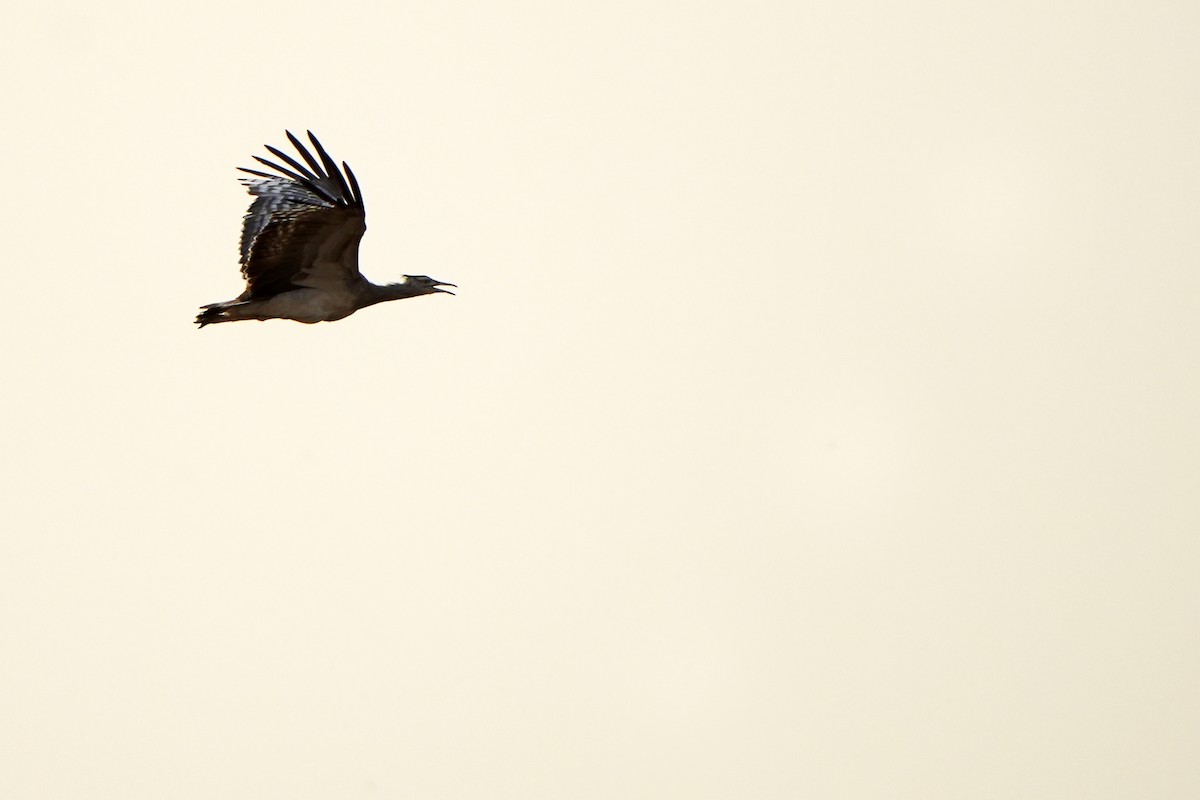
[(299, 249)]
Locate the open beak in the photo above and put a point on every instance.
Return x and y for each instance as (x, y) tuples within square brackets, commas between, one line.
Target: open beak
[(446, 291)]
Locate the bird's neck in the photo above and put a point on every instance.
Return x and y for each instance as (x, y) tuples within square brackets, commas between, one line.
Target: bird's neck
[(390, 291)]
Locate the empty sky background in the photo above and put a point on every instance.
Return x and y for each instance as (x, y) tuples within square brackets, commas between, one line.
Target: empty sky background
[(817, 417)]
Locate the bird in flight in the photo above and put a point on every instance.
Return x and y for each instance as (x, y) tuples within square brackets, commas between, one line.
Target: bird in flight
[(299, 251)]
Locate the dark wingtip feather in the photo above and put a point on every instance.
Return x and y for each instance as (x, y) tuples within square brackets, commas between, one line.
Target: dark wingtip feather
[(281, 170), (303, 151), (291, 162), (259, 174), (332, 168), (355, 191), (313, 186)]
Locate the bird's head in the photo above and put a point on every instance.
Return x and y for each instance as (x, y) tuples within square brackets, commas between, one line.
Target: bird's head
[(423, 284)]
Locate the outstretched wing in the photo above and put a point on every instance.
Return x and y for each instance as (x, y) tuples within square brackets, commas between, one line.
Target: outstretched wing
[(303, 228)]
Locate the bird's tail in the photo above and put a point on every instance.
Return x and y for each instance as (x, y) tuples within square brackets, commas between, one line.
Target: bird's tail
[(212, 313)]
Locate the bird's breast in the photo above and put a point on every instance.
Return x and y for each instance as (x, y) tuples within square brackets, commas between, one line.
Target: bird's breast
[(311, 305)]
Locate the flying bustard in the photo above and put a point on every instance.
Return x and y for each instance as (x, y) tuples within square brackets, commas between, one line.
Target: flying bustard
[(300, 246)]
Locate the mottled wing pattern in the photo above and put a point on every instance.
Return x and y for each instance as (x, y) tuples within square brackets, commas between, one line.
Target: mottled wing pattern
[(302, 229), (275, 198)]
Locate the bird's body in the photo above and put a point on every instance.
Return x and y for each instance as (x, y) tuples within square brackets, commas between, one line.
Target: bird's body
[(299, 249)]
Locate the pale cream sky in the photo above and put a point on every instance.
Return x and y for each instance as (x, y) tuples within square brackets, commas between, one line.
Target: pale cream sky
[(817, 417)]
